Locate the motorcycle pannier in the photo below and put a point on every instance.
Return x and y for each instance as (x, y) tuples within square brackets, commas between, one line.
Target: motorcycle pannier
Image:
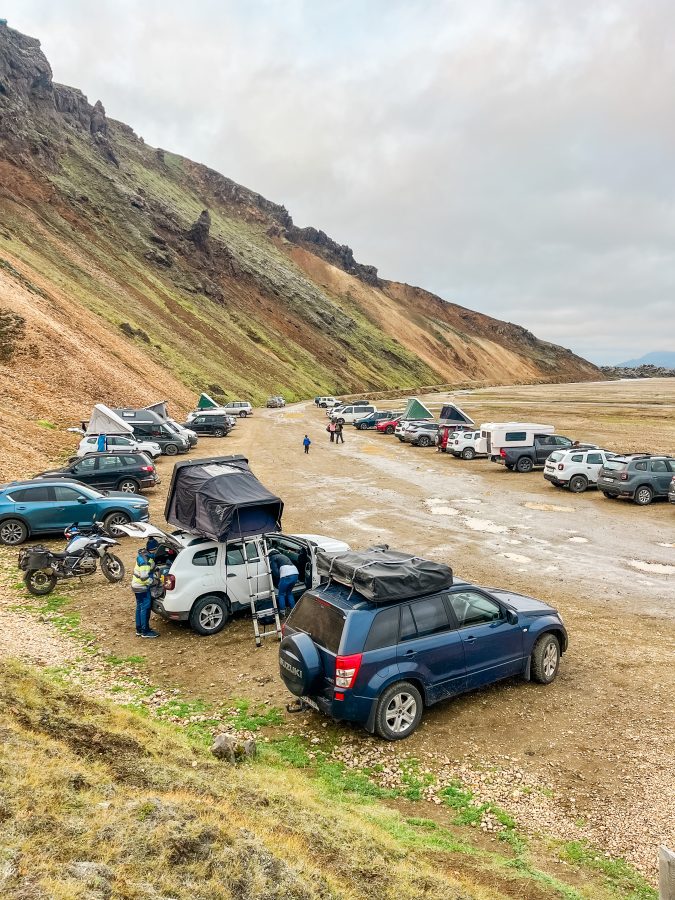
[(382, 575), (32, 558)]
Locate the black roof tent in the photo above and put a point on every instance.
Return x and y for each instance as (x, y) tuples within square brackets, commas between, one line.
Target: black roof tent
[(220, 498), (453, 415)]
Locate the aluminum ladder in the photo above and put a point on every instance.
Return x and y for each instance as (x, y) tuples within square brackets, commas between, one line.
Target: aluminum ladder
[(263, 612)]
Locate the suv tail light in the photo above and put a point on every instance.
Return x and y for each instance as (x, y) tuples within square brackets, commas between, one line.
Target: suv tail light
[(561, 466), (624, 476), (147, 468), (169, 582), (346, 670)]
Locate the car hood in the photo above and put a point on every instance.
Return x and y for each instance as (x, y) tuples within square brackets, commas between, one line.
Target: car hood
[(328, 544), (523, 604), (123, 495)]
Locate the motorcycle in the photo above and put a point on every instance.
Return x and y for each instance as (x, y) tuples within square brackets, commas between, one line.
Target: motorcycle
[(85, 547)]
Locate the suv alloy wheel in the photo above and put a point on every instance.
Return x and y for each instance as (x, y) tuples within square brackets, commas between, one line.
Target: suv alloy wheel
[(578, 484), (209, 615), (524, 464), (128, 486), (399, 710), (13, 532), (423, 441), (643, 495), (468, 453)]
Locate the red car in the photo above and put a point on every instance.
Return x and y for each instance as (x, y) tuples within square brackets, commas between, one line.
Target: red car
[(387, 426)]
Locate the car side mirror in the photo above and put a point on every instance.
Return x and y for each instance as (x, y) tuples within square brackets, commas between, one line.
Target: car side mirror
[(511, 617), (81, 499)]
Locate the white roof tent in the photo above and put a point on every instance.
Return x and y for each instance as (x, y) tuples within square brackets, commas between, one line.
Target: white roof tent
[(104, 421), (161, 408)]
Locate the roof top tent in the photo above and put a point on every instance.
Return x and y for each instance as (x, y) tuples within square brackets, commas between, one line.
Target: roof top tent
[(220, 498), (416, 410), (161, 408), (206, 402), (104, 421), (453, 415)]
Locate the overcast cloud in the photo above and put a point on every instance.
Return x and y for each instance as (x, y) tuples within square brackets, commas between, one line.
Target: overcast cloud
[(515, 157)]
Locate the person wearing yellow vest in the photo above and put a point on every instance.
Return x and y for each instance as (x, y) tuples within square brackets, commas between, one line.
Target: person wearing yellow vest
[(141, 582)]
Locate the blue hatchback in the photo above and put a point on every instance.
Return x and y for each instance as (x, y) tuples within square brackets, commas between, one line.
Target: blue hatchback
[(43, 507), (381, 665)]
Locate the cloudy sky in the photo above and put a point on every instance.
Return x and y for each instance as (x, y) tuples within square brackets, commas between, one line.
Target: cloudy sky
[(515, 157)]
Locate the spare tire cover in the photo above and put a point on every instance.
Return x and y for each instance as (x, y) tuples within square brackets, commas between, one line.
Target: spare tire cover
[(299, 663)]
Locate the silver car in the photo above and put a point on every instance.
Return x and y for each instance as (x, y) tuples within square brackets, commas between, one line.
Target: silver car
[(421, 434)]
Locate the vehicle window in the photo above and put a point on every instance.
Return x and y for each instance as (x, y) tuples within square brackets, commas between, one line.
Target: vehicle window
[(556, 455), (234, 556), (205, 557), (321, 621), (252, 551), (67, 494), (594, 458), (641, 466), (472, 608), (660, 465), (87, 465), (108, 462), (31, 495), (515, 436), (616, 465), (576, 457), (561, 441), (430, 616), (145, 430), (132, 461), (92, 440), (199, 420), (384, 630), (408, 629)]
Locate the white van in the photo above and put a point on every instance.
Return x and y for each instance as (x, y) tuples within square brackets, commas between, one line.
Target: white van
[(347, 415), (209, 580), (495, 435)]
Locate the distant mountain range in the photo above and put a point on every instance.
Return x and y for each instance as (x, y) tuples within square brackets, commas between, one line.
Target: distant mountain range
[(657, 358)]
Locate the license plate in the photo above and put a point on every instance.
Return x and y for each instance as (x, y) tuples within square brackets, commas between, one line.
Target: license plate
[(310, 703)]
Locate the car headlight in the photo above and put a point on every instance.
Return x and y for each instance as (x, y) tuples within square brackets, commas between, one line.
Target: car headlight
[(139, 505)]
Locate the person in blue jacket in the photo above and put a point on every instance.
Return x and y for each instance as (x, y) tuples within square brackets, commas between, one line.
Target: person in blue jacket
[(284, 576), (305, 443), (141, 582), (102, 443)]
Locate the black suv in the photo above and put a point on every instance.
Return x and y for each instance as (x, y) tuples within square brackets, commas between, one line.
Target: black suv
[(213, 425), (123, 471), (639, 476)]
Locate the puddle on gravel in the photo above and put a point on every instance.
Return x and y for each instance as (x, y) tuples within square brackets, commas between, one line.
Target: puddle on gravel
[(485, 525), (651, 568), (577, 540), (548, 507), (436, 508)]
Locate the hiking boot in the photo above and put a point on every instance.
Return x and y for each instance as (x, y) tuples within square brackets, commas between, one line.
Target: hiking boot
[(150, 634)]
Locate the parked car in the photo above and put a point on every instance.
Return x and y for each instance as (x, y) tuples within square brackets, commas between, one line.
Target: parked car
[(241, 408), (325, 402), (208, 580), (405, 424), (275, 402), (46, 506), (671, 490), (349, 414), (116, 471), (388, 426), (213, 425), (534, 456), (446, 434), (495, 435), (464, 444), (638, 476), (422, 434), (381, 665), (186, 431), (149, 426), (372, 419), (89, 443), (576, 468)]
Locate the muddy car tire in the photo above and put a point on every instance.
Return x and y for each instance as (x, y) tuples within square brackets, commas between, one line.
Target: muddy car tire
[(243, 414), (545, 659), (399, 711), (643, 495), (468, 453), (129, 486), (209, 615), (578, 484), (524, 464), (363, 427)]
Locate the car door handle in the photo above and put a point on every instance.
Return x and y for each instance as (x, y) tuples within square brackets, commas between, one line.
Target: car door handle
[(470, 639), (410, 653), (21, 508), (231, 574)]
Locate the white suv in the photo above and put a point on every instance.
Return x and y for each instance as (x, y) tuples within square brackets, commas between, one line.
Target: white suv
[(575, 468), (240, 408), (209, 580), (327, 402), (463, 443), (118, 442), (347, 415)]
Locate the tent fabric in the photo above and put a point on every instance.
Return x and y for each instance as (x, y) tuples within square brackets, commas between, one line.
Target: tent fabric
[(104, 421), (417, 410), (161, 408), (220, 498), (381, 575), (206, 402), (453, 415)]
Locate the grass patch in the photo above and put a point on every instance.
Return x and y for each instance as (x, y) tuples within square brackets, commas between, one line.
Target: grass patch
[(617, 872), (245, 718)]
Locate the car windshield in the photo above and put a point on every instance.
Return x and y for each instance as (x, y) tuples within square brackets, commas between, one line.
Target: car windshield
[(616, 465), (321, 621)]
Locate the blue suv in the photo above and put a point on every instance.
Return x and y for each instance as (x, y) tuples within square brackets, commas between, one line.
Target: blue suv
[(43, 507), (381, 665)]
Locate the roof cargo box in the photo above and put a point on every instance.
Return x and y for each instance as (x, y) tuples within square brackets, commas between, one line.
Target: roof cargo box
[(220, 498), (382, 575)]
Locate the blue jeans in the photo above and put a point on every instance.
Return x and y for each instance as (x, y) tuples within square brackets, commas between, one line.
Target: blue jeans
[(286, 591), (143, 607)]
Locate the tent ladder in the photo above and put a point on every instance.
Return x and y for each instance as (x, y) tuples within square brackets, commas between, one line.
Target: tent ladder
[(264, 609)]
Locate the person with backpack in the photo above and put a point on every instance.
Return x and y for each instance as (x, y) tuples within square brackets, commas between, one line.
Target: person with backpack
[(305, 443), (339, 436), (143, 578)]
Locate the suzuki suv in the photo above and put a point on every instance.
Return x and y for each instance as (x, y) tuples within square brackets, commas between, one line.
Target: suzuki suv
[(638, 476), (381, 665), (576, 469)]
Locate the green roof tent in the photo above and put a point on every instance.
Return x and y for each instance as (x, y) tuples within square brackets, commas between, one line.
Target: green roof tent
[(416, 410), (206, 402)]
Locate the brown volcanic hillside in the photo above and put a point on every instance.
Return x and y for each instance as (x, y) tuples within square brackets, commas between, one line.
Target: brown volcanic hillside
[(116, 285)]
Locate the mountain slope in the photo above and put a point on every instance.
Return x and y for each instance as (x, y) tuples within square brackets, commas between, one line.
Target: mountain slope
[(656, 358), (128, 273)]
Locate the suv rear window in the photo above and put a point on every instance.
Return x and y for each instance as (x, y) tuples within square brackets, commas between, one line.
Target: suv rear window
[(616, 465), (556, 455), (321, 621)]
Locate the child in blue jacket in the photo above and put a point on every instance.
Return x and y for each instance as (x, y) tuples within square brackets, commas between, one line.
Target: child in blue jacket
[(306, 442)]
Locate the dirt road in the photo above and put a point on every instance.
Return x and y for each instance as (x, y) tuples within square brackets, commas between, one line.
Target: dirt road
[(596, 750)]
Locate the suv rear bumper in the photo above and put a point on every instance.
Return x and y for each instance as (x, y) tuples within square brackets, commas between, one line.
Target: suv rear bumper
[(554, 479), (158, 607), (352, 709)]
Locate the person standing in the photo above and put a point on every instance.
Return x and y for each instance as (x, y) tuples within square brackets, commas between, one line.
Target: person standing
[(102, 443), (339, 436), (284, 577), (305, 443), (331, 431), (141, 582)]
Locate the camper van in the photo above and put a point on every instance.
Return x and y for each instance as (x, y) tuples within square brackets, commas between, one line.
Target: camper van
[(495, 435), (148, 426)]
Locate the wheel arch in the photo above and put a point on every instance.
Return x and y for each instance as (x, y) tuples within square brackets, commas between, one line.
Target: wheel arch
[(220, 594), (554, 629)]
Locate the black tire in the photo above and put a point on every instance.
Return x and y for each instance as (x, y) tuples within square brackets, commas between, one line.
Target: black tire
[(112, 567), (323, 405), (389, 713), (524, 464), (129, 486), (13, 532), (578, 484), (643, 496), (209, 615), (610, 496), (111, 522), (424, 441), (40, 582), (219, 432), (171, 449), (545, 659), (468, 453), (363, 427), (243, 414), (389, 429)]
